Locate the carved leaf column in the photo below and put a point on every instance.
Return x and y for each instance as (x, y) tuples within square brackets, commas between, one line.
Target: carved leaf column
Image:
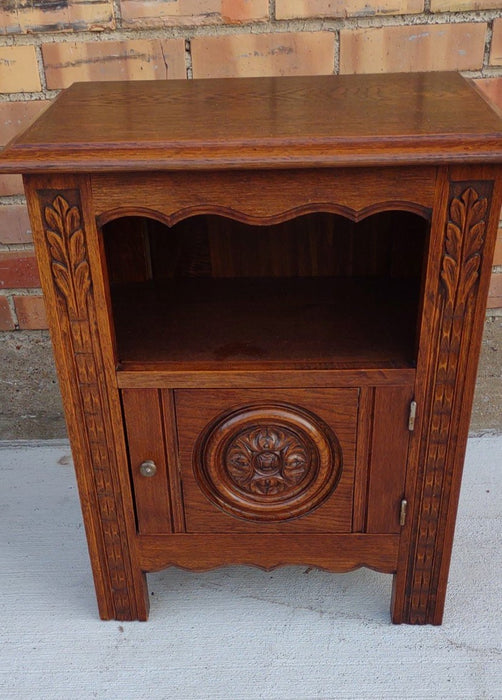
[(455, 339), (67, 279)]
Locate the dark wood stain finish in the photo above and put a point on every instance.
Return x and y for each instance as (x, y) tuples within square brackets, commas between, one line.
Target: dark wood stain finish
[(247, 282), (255, 122), (322, 427)]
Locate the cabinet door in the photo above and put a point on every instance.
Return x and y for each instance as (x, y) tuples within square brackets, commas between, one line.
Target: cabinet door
[(145, 439), (279, 460), (267, 460), (388, 458)]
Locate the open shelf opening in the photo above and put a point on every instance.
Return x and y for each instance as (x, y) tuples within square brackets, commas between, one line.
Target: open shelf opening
[(317, 291)]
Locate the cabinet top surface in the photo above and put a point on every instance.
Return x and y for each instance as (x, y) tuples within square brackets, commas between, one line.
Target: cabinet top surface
[(282, 122)]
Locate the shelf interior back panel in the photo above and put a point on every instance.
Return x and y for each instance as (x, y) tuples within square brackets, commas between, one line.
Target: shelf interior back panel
[(307, 323)]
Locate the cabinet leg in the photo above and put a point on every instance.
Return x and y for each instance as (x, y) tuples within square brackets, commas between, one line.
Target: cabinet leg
[(114, 604), (144, 603), (67, 243), (413, 609), (142, 608), (462, 239)]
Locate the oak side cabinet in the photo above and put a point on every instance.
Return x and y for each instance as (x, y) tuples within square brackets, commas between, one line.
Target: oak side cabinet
[(266, 299)]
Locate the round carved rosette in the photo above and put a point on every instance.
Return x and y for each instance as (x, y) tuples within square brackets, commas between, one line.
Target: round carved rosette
[(268, 462)]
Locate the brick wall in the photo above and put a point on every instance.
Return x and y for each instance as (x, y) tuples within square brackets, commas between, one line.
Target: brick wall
[(46, 45)]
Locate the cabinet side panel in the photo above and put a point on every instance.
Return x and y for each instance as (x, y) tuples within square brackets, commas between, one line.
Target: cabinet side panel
[(61, 230), (462, 242)]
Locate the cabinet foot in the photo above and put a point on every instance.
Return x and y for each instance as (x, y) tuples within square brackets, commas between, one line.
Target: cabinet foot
[(412, 609), (126, 605)]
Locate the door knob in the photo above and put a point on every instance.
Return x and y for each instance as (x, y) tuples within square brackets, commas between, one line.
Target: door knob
[(148, 468)]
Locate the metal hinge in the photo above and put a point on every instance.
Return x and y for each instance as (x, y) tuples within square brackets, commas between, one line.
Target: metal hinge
[(413, 414), (402, 512)]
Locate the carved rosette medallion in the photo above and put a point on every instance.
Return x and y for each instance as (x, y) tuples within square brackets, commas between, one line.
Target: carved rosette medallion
[(268, 462), (465, 233)]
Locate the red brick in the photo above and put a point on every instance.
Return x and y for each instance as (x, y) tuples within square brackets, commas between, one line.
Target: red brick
[(497, 258), (15, 116), (155, 59), (30, 311), (6, 321), (11, 184), (496, 48), (14, 224), (162, 13), (19, 69), (495, 293), (463, 5), (492, 90), (234, 55), (18, 269), (240, 11), (72, 15), (426, 47), (291, 9)]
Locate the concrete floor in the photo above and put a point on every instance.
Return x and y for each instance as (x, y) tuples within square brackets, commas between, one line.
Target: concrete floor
[(236, 633)]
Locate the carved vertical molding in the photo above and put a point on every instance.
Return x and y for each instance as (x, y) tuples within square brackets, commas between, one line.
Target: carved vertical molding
[(71, 276), (461, 261)]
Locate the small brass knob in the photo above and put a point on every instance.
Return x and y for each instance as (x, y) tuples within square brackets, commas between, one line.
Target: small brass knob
[(148, 468)]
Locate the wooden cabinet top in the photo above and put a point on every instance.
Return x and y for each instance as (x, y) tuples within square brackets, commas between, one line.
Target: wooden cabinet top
[(315, 121)]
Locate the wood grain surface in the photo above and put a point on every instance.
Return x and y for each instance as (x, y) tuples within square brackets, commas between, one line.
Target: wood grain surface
[(256, 122), (259, 329)]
